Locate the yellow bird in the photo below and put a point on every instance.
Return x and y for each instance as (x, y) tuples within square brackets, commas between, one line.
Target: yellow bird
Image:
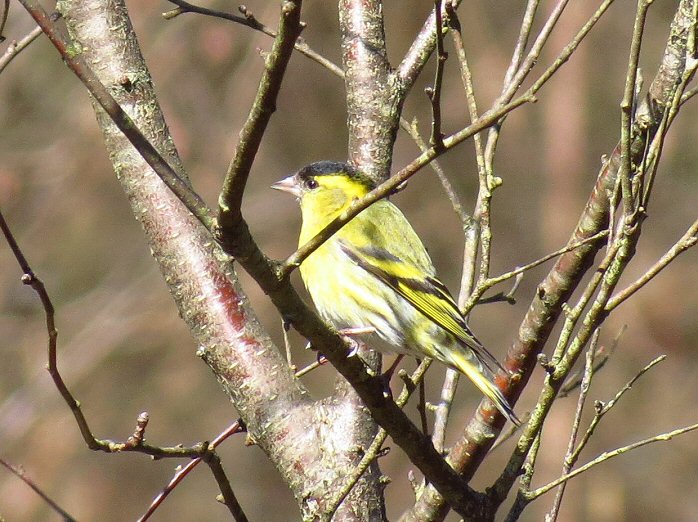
[(376, 272)]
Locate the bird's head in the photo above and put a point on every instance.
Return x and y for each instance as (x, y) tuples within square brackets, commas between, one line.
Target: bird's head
[(325, 188)]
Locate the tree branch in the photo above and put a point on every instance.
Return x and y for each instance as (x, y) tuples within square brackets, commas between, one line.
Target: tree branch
[(263, 107), (19, 473), (17, 47), (609, 455)]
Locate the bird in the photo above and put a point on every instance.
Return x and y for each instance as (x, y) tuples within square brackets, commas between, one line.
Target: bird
[(375, 272)]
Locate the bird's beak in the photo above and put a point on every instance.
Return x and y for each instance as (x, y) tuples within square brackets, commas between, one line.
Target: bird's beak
[(289, 185)]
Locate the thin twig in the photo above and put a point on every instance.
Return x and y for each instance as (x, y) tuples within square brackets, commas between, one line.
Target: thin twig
[(467, 80), (569, 460), (522, 40), (606, 455), (627, 107), (602, 409), (263, 107), (419, 52), (4, 12), (527, 469), (227, 493), (534, 53), (488, 283), (19, 472), (600, 360), (434, 92), (413, 130), (443, 409), (135, 443), (235, 427), (17, 47), (519, 68), (249, 20), (689, 239), (654, 150), (571, 47)]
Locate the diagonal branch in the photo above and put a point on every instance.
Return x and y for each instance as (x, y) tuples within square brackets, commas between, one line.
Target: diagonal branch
[(688, 240), (609, 455), (19, 473), (71, 54), (17, 47), (260, 113)]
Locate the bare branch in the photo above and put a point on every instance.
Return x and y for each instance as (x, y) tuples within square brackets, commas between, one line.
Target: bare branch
[(603, 409), (176, 181), (689, 239), (17, 47), (4, 12), (602, 356), (263, 107), (249, 20), (609, 455), (488, 283), (570, 458), (456, 203), (627, 106), (467, 79), (527, 20), (236, 427), (434, 92), (227, 494), (19, 473), (417, 56)]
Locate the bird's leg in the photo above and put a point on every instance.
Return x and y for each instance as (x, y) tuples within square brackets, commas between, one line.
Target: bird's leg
[(388, 374), (357, 330), (349, 333)]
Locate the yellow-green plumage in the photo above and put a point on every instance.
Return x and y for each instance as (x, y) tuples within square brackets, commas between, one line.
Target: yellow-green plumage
[(376, 272)]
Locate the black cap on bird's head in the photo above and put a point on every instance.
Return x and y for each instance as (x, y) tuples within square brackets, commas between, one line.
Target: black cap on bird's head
[(330, 168), (295, 183)]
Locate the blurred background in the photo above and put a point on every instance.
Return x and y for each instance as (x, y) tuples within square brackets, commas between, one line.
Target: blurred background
[(123, 348)]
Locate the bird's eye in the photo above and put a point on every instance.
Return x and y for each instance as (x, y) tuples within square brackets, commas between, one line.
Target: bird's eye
[(311, 184)]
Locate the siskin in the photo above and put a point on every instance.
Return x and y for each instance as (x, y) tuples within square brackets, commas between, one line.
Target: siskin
[(376, 272)]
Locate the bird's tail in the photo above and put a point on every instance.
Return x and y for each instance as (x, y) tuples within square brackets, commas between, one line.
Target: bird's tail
[(467, 362)]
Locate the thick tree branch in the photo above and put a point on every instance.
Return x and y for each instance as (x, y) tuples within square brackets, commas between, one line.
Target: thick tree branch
[(373, 101), (71, 53)]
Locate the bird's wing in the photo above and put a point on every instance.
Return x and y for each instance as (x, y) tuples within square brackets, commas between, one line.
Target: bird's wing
[(427, 294)]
